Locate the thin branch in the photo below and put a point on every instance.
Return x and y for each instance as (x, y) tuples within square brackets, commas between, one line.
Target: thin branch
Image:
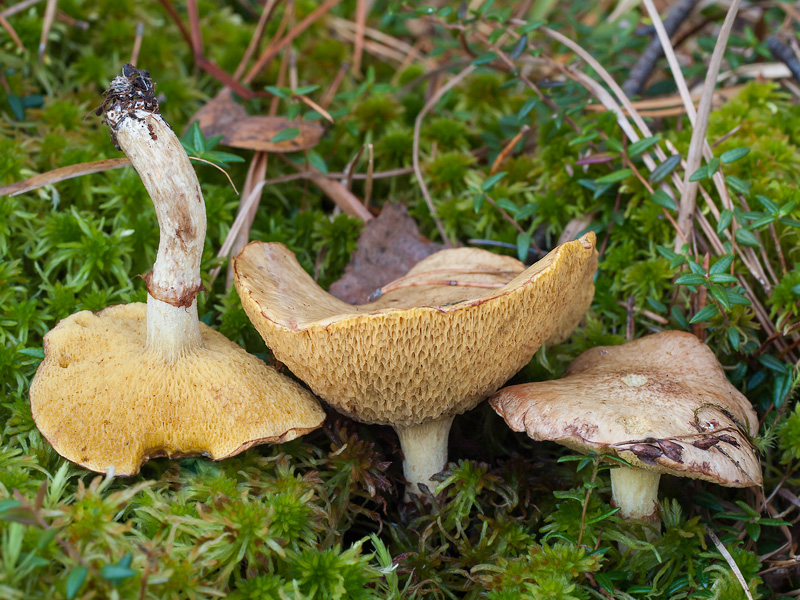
[(266, 14), (273, 50)]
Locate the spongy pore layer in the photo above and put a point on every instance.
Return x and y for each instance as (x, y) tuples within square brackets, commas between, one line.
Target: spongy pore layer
[(102, 399), (423, 351)]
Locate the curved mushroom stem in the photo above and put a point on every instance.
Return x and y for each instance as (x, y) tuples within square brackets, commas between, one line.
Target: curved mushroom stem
[(158, 156), (635, 492), (424, 451)]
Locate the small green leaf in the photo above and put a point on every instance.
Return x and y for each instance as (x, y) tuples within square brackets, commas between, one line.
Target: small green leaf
[(615, 145), (8, 504), (527, 108), (75, 581), (725, 218), (33, 352), (722, 265), (773, 364), (507, 205), (737, 185), (790, 222), (198, 141), (477, 201), (665, 168), (700, 174), (753, 530), (523, 245), (712, 166), (657, 305), (527, 211), (746, 238), (489, 183), (115, 574), (615, 176), (305, 89), (734, 155), (690, 279), (484, 58), (705, 314), (637, 148), (16, 106), (733, 336), (316, 161), (679, 317), (583, 139), (603, 516), (286, 134), (280, 92), (722, 278), (720, 294), (661, 198), (528, 27), (521, 44), (767, 203)]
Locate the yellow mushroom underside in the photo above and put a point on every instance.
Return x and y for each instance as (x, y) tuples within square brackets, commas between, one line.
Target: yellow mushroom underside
[(422, 352), (101, 398)]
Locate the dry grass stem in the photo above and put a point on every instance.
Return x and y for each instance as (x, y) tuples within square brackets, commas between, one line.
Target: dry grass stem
[(19, 7), (62, 174), (266, 14), (274, 49), (137, 43), (686, 209), (12, 33), (415, 151), (362, 8), (727, 555), (47, 25)]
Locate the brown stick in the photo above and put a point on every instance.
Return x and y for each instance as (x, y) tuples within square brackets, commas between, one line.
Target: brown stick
[(361, 24), (266, 14), (687, 205), (508, 149), (342, 197), (273, 50), (194, 24), (11, 32), (56, 175)]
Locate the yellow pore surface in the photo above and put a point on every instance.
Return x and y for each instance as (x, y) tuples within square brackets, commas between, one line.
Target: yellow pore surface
[(102, 399), (419, 352)]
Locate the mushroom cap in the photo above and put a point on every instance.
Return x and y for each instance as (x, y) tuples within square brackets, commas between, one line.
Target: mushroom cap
[(102, 399), (420, 352), (661, 402)]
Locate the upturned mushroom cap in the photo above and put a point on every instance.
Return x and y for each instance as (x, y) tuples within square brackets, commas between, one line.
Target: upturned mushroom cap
[(101, 398), (420, 352), (662, 403)]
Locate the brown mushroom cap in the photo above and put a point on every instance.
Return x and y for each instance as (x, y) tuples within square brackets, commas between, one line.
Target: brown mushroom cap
[(101, 398), (419, 352), (662, 403)]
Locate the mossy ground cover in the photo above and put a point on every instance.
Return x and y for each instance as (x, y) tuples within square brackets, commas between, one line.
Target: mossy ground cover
[(321, 517)]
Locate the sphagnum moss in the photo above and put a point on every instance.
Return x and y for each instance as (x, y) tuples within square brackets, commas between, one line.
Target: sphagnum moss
[(509, 516)]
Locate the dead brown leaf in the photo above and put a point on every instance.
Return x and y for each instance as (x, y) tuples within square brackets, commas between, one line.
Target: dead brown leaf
[(218, 113), (256, 133), (388, 248), (222, 115)]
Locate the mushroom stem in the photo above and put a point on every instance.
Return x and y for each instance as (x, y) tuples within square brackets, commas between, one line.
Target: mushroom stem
[(158, 156), (424, 451), (635, 492)]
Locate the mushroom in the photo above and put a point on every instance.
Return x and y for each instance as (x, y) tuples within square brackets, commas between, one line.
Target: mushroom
[(436, 343), (662, 403), (136, 381)]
